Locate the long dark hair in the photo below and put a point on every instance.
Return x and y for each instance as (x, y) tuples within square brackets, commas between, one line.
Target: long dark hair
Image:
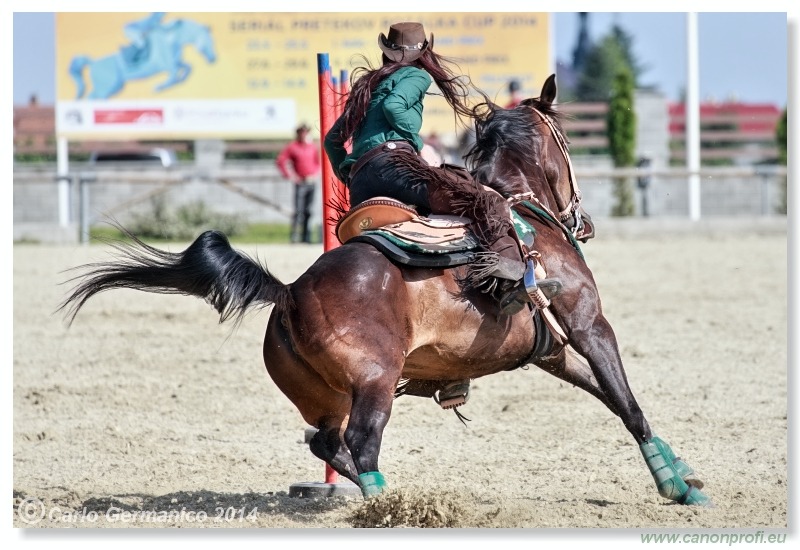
[(455, 88)]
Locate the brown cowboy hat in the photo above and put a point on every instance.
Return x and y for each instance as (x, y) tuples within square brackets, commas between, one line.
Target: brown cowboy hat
[(406, 41)]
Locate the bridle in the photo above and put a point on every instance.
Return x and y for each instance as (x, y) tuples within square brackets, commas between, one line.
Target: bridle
[(570, 215)]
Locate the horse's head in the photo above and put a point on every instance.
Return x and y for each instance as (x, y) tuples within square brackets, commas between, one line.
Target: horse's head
[(198, 35), (524, 150)]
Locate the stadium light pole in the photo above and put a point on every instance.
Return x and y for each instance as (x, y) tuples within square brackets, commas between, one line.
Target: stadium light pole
[(692, 119)]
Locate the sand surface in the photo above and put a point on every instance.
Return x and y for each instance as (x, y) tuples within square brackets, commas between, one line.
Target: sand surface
[(148, 404)]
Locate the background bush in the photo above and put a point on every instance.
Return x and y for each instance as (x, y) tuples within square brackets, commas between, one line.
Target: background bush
[(185, 222)]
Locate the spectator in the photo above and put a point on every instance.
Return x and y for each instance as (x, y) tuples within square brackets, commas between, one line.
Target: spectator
[(515, 94), (304, 157)]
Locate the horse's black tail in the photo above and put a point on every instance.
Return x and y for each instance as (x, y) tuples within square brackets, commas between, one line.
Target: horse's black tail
[(209, 268)]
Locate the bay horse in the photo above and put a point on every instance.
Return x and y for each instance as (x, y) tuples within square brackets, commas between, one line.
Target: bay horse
[(343, 335)]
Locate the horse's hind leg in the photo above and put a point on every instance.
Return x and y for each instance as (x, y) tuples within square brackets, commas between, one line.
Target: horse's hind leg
[(328, 445), (319, 404), (372, 406)]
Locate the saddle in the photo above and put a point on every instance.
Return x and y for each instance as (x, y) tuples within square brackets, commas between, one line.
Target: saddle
[(404, 236), (400, 232)]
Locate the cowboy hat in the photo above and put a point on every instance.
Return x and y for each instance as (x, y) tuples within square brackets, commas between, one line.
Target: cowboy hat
[(406, 42)]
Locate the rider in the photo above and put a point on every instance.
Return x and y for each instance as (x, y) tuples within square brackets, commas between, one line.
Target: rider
[(382, 119), (137, 31)]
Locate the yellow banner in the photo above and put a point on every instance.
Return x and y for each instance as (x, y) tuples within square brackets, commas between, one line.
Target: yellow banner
[(121, 58)]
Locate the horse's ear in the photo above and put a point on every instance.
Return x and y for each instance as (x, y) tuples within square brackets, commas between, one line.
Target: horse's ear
[(549, 90)]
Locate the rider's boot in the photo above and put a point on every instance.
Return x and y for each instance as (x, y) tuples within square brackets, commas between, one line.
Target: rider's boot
[(507, 276), (500, 269)]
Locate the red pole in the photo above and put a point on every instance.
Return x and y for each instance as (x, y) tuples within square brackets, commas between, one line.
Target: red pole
[(344, 88), (327, 116)]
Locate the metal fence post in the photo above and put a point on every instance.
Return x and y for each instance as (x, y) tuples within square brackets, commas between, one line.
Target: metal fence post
[(83, 182)]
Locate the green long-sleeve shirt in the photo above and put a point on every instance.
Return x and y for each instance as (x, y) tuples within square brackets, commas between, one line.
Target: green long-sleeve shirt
[(394, 113)]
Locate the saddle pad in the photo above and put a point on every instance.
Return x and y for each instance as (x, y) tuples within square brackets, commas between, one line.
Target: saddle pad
[(421, 244), (444, 221), (525, 231), (427, 231), (397, 251)]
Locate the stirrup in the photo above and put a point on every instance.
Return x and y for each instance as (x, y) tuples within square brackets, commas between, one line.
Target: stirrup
[(453, 394), (543, 288)]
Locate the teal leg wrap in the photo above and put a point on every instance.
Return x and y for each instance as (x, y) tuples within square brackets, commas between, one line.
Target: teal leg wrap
[(659, 458), (372, 483), (683, 469)]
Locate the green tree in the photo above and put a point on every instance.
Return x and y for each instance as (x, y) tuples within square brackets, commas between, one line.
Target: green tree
[(625, 42), (621, 127), (613, 53), (781, 139)]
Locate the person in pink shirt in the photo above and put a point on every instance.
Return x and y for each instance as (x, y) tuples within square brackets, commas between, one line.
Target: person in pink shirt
[(299, 162)]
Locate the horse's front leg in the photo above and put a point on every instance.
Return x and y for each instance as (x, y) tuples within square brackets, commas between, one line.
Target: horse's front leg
[(574, 369), (593, 338)]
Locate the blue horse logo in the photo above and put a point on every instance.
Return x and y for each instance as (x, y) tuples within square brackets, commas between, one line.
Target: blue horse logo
[(156, 48)]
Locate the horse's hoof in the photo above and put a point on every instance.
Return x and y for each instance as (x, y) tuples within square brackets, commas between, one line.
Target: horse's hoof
[(674, 478), (372, 484), (694, 481), (684, 470)]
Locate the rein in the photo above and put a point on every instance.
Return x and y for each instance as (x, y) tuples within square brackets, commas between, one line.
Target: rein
[(570, 213)]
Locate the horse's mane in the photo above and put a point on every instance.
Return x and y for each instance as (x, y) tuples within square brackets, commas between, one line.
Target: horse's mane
[(513, 131)]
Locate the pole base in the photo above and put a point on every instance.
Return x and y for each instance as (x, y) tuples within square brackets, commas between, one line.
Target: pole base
[(312, 489)]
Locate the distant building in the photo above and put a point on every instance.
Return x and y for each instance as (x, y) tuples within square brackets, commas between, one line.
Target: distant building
[(730, 132)]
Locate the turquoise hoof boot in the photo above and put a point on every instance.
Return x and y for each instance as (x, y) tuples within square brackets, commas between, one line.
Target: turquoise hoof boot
[(695, 497), (372, 484), (683, 469), (660, 460)]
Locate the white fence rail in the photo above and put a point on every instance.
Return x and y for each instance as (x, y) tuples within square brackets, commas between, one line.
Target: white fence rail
[(259, 193)]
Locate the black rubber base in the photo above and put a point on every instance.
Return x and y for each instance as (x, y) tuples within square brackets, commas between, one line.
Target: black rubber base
[(311, 489)]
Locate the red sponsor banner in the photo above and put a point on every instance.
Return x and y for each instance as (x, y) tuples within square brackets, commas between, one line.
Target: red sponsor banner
[(129, 116)]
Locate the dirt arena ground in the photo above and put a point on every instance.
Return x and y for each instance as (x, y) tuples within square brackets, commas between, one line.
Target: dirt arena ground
[(147, 403)]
